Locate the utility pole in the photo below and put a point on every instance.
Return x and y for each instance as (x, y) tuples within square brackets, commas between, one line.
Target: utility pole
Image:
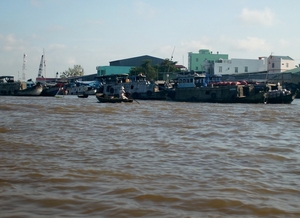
[(24, 67)]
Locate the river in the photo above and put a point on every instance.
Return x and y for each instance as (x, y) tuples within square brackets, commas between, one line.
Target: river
[(74, 157)]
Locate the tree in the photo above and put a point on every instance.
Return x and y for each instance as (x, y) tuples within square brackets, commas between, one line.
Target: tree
[(147, 69), (168, 66), (151, 72), (77, 70)]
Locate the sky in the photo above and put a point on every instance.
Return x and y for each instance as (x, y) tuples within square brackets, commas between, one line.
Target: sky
[(92, 33)]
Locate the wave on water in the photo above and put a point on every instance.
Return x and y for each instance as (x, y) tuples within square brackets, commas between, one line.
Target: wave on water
[(74, 157)]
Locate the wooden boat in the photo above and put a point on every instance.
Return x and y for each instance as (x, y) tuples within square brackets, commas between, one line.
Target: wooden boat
[(83, 95), (51, 88), (111, 99), (193, 88), (8, 86), (34, 90), (279, 96)]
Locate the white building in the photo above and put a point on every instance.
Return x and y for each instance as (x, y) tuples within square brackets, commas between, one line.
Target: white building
[(271, 64), (234, 66), (278, 64)]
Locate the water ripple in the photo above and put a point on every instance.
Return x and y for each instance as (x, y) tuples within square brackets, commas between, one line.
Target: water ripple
[(74, 157)]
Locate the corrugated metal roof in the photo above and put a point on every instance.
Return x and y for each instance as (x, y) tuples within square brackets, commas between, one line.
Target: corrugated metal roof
[(138, 57), (293, 71), (283, 57)]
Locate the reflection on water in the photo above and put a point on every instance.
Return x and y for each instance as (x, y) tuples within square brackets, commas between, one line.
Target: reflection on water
[(74, 157)]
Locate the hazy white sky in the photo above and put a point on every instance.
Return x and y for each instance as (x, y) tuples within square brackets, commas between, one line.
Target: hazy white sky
[(92, 33)]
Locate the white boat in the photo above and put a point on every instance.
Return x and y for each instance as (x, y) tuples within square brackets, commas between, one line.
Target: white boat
[(82, 87), (137, 87)]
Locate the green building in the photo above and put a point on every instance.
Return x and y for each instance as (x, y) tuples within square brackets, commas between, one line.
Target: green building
[(203, 61)]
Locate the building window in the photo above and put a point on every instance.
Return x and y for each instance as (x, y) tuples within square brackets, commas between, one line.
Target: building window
[(196, 68), (236, 69), (196, 59), (220, 69), (287, 64), (246, 69), (273, 65)]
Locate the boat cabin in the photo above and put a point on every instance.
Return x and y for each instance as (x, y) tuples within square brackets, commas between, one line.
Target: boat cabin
[(82, 87), (190, 80), (6, 79), (138, 78), (134, 85), (114, 78)]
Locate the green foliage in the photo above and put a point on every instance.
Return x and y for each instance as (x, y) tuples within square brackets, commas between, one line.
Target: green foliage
[(146, 68), (151, 71), (168, 66), (77, 70)]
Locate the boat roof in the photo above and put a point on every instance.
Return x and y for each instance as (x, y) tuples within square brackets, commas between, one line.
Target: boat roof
[(112, 75), (190, 74), (293, 71), (86, 82), (3, 77)]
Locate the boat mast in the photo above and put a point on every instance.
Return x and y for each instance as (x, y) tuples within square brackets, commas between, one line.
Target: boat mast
[(40, 73), (268, 67), (44, 63), (24, 67), (42, 67)]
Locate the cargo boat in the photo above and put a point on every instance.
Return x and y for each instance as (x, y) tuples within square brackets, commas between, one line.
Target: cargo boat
[(193, 87)]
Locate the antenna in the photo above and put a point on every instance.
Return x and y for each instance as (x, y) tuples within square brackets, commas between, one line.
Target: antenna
[(170, 64), (24, 67), (172, 53), (171, 59)]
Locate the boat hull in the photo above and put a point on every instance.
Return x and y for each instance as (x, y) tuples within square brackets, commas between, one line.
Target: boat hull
[(158, 95), (230, 94), (32, 91), (50, 91), (14, 89), (83, 96), (109, 99)]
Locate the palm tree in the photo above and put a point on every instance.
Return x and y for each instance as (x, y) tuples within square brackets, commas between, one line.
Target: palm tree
[(168, 66)]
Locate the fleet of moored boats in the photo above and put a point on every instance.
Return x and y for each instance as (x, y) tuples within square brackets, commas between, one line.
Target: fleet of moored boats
[(187, 87)]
